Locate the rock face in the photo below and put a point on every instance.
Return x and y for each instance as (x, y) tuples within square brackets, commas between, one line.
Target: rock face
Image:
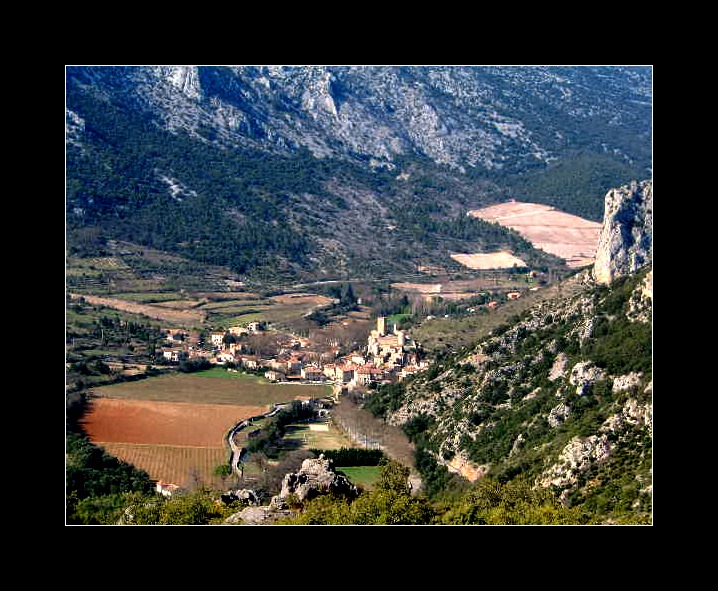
[(462, 116), (626, 240), (315, 477)]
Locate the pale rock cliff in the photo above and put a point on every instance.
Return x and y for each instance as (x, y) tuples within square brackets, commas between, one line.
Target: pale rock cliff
[(315, 477), (625, 243)]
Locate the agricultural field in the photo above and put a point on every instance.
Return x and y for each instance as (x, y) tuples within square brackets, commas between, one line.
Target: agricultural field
[(310, 436), (177, 464), (490, 260), (214, 386), (567, 236), (174, 427), (364, 476), (462, 289), (179, 292)]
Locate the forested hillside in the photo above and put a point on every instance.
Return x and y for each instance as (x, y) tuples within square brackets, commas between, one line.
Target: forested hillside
[(340, 172), (560, 397)]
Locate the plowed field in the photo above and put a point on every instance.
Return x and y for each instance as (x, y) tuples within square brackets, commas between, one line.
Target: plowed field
[(164, 423), (567, 236), (493, 260), (175, 442), (174, 427), (179, 465)]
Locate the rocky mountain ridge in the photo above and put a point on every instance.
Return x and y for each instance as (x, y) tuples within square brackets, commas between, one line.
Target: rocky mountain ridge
[(562, 396), (462, 116), (626, 240), (325, 172)]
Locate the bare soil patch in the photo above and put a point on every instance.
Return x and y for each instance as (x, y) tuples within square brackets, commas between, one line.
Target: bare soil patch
[(302, 298), (111, 420), (493, 260), (568, 236), (419, 287)]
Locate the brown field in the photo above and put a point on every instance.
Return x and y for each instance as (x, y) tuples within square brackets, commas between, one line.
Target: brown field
[(418, 287), (171, 441), (163, 423), (179, 465), (302, 298), (173, 427), (567, 236)]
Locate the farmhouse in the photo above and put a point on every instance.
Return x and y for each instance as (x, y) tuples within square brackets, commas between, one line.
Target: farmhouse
[(274, 375), (313, 373), (225, 357), (217, 339), (165, 488), (172, 354), (249, 361)]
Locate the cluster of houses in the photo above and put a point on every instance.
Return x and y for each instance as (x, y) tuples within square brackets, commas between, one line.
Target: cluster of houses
[(389, 356)]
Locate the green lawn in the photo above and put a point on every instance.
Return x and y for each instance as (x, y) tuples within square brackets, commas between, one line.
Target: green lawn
[(364, 476)]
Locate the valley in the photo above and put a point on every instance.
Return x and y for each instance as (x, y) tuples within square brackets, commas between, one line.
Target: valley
[(450, 263)]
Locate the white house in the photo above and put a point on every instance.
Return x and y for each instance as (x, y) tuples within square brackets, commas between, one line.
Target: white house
[(166, 488)]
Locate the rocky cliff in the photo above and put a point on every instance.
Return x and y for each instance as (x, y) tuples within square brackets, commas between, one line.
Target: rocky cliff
[(325, 172), (315, 477), (626, 240), (562, 395), (491, 117)]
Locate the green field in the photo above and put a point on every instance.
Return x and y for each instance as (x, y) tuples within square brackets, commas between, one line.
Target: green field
[(364, 476), (307, 438), (214, 386)]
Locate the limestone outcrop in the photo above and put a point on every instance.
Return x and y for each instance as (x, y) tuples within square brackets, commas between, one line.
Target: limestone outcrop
[(625, 243), (315, 477)]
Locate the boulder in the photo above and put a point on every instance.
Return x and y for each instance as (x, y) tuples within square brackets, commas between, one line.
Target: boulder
[(316, 476)]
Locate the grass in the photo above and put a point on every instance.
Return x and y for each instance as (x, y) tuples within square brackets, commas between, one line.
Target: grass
[(222, 373), (364, 476), (205, 387), (309, 439)]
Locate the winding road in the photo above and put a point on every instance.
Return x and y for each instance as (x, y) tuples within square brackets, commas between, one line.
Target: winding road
[(238, 453)]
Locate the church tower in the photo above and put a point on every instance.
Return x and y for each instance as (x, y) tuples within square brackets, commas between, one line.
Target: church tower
[(381, 325)]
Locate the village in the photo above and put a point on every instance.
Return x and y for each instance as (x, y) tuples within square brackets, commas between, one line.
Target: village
[(390, 355)]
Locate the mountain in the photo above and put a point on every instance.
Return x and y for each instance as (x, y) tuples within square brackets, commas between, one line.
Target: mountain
[(341, 171), (560, 396)]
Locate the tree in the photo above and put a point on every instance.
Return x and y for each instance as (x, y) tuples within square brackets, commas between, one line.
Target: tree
[(224, 471), (513, 503), (391, 502), (394, 477), (195, 508)]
